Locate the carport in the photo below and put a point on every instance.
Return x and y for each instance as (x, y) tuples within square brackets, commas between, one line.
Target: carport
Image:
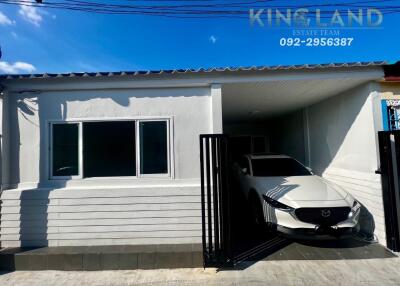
[(297, 116), (325, 118)]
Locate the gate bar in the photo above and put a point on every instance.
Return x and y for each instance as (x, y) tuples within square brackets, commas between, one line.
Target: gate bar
[(203, 209), (390, 185), (210, 244), (215, 197)]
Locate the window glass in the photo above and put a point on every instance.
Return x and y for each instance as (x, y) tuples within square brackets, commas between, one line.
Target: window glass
[(65, 149), (153, 147), (109, 149), (278, 167)]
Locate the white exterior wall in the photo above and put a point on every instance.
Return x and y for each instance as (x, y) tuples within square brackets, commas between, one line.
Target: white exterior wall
[(94, 211), (343, 146)]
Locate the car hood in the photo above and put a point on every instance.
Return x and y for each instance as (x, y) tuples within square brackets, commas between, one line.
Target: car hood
[(304, 191)]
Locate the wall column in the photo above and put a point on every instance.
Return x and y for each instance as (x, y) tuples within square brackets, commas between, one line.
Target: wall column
[(2, 125), (216, 108), (4, 139)]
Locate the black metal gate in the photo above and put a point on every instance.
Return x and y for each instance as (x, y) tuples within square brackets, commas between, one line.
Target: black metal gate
[(389, 150), (215, 200)]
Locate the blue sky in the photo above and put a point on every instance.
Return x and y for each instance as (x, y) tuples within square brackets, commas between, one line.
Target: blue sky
[(48, 40)]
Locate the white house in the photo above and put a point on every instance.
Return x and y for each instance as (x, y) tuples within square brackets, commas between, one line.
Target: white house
[(113, 158)]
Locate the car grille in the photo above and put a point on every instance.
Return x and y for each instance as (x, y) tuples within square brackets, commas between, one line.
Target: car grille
[(323, 216)]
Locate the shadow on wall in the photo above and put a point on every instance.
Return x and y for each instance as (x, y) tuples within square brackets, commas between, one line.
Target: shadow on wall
[(29, 113), (329, 124), (34, 228), (33, 216)]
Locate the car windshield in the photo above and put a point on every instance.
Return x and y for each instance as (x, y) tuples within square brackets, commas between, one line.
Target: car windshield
[(278, 167)]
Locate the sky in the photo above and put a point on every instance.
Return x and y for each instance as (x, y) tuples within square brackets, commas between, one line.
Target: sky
[(39, 40)]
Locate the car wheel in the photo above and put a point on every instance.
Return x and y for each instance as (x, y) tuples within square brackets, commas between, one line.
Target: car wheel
[(257, 213)]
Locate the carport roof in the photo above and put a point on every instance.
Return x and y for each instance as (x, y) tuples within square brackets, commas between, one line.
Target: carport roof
[(194, 71)]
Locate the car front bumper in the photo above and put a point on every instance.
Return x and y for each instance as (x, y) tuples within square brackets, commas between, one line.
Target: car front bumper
[(319, 233), (289, 225)]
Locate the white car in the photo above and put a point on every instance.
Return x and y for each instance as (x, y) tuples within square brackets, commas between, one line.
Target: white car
[(286, 196)]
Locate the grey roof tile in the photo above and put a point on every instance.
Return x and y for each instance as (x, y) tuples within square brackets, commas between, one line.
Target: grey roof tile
[(193, 71)]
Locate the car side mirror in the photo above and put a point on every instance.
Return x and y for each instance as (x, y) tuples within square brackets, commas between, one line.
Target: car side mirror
[(244, 171)]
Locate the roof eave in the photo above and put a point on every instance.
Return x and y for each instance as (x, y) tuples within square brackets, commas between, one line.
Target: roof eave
[(195, 71)]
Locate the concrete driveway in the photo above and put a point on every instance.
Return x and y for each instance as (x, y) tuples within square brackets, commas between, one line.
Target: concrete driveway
[(382, 271), (342, 262)]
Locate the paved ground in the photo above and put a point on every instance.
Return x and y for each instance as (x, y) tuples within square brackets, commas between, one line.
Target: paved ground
[(282, 262), (383, 271)]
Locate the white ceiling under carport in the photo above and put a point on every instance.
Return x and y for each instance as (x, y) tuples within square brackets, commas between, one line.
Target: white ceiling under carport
[(262, 100)]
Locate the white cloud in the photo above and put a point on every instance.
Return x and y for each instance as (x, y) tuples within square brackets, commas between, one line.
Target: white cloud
[(30, 14), (213, 39), (4, 20), (17, 67)]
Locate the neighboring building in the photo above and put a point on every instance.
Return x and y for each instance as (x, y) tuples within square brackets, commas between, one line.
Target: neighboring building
[(390, 99), (113, 158)]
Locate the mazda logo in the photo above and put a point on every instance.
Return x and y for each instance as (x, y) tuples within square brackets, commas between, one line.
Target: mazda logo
[(325, 213)]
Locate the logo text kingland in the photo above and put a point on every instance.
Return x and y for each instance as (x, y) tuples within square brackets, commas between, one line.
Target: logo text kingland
[(304, 17)]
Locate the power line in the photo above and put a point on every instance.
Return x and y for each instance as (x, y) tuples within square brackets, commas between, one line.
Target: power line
[(197, 8)]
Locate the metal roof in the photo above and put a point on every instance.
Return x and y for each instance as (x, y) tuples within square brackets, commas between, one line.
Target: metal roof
[(193, 71)]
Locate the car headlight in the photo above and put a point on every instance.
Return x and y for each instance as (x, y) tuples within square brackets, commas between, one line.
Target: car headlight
[(355, 209), (277, 204)]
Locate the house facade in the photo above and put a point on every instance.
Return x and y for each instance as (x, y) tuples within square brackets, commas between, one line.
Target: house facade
[(113, 158)]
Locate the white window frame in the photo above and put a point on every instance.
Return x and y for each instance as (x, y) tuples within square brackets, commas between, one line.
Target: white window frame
[(80, 151), (80, 176), (138, 157)]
